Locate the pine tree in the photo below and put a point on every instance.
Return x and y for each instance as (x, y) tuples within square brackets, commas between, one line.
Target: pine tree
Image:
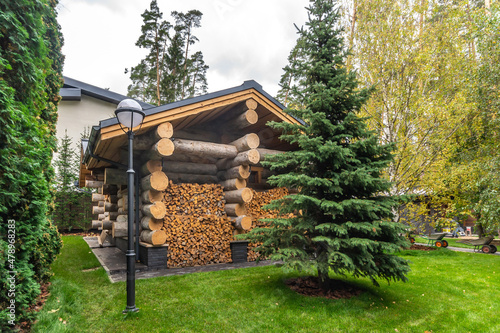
[(67, 213), (341, 214), (169, 72)]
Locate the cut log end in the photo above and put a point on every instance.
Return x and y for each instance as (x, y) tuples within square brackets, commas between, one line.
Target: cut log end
[(165, 130), (242, 222), (154, 237), (156, 210), (164, 147)]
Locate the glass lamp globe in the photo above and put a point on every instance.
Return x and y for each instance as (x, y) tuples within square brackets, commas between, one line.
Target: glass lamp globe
[(129, 113)]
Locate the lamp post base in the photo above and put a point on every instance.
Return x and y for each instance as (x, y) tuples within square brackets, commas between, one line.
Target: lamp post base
[(130, 309)]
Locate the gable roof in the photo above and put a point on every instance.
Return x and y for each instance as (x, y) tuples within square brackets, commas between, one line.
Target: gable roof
[(107, 138), (73, 90)]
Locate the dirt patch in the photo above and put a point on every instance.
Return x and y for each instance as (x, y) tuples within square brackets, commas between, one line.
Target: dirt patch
[(422, 248), (90, 269), (79, 233), (309, 286)]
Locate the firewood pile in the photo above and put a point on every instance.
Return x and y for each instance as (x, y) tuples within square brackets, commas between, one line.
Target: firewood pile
[(254, 209), (195, 200), (198, 232), (199, 240)]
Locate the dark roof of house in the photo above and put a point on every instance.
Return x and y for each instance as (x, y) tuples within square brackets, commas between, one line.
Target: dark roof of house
[(73, 89)]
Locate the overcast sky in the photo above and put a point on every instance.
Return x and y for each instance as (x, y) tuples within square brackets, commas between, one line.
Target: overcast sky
[(240, 39)]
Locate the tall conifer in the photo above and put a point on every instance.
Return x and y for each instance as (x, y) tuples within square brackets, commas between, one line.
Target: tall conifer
[(342, 215), (170, 71)]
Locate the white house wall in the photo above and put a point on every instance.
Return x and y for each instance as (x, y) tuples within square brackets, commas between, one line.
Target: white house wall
[(76, 116)]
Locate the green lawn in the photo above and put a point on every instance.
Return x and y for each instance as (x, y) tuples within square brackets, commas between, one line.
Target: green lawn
[(447, 292)]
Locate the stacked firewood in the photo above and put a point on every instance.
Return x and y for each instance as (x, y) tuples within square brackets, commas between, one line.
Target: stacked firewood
[(196, 200), (198, 232), (262, 198), (199, 240), (254, 209)]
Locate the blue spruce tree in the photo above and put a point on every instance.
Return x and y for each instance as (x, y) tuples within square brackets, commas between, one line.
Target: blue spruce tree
[(342, 215)]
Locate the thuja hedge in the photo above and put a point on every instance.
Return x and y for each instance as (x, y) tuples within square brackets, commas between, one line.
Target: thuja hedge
[(30, 79)]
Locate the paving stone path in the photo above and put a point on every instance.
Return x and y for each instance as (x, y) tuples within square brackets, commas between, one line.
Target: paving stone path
[(115, 264)]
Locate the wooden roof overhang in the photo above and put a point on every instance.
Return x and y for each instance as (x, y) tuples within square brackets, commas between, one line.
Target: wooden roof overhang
[(107, 138)]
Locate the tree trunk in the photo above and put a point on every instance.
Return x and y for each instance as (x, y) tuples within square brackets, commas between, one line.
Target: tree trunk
[(96, 197), (146, 140), (93, 183), (198, 135), (96, 224), (119, 229), (107, 225), (324, 279)]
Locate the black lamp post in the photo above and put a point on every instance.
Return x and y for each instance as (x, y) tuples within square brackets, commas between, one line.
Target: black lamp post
[(130, 115)]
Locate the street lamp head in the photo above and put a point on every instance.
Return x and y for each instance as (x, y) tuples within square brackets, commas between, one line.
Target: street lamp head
[(129, 114)]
